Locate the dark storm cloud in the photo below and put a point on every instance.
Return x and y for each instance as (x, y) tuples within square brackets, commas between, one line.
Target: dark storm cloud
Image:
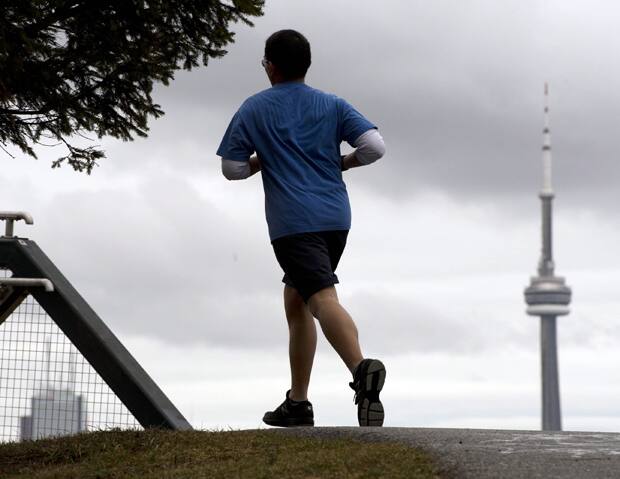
[(393, 323), (456, 88), (173, 265)]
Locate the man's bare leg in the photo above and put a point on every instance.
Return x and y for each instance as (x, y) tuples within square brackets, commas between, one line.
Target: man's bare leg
[(337, 325), (302, 342)]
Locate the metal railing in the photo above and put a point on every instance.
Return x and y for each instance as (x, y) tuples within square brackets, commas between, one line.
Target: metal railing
[(47, 387)]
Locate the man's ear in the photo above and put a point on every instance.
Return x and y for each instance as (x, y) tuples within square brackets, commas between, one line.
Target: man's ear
[(272, 73)]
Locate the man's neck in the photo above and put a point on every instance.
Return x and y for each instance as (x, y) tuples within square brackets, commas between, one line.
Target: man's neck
[(281, 81)]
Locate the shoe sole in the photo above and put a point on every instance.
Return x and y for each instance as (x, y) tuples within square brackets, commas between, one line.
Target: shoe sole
[(291, 422), (370, 409)]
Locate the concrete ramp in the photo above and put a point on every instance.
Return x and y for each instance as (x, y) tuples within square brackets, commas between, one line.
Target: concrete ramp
[(482, 454)]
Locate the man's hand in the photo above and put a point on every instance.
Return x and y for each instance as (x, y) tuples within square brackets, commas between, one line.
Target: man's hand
[(350, 161)]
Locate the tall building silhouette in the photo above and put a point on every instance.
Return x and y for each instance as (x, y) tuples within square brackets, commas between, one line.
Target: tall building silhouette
[(55, 409), (54, 412), (548, 296)]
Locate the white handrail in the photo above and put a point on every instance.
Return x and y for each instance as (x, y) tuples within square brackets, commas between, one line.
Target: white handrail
[(44, 283), (10, 217)]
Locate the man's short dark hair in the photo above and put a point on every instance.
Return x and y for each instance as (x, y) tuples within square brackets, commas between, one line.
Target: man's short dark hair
[(289, 51)]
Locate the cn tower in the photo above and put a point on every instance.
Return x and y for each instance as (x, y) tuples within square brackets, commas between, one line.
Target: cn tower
[(548, 296)]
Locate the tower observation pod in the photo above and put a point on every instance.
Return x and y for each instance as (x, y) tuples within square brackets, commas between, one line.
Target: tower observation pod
[(548, 296)]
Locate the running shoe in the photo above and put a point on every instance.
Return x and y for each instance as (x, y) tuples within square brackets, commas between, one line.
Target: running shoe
[(368, 380), (290, 413)]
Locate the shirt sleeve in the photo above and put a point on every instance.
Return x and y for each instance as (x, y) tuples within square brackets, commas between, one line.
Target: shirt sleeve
[(236, 170), (236, 144), (370, 147), (352, 123)]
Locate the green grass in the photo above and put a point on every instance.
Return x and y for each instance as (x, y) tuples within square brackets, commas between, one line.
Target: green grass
[(202, 454)]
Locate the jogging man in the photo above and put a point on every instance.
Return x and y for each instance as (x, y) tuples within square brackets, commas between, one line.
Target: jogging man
[(296, 132)]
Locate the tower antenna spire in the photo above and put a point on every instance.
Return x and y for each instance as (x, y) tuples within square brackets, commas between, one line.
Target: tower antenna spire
[(547, 187), (548, 296)]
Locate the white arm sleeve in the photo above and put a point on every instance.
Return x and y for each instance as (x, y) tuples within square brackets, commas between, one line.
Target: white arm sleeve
[(370, 147), (235, 170)]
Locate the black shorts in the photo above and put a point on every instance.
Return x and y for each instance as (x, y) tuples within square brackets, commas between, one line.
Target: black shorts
[(310, 259)]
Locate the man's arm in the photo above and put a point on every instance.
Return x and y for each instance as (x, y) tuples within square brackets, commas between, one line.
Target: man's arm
[(369, 148), (240, 170), (254, 164)]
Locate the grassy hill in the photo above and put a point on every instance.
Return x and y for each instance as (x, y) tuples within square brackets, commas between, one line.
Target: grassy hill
[(202, 454)]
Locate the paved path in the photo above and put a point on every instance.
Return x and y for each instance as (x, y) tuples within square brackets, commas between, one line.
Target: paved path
[(481, 454)]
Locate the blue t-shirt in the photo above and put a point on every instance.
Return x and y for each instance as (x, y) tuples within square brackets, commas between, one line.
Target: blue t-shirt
[(296, 131)]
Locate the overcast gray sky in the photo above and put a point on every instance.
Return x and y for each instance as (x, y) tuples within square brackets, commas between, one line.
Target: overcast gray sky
[(445, 228)]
